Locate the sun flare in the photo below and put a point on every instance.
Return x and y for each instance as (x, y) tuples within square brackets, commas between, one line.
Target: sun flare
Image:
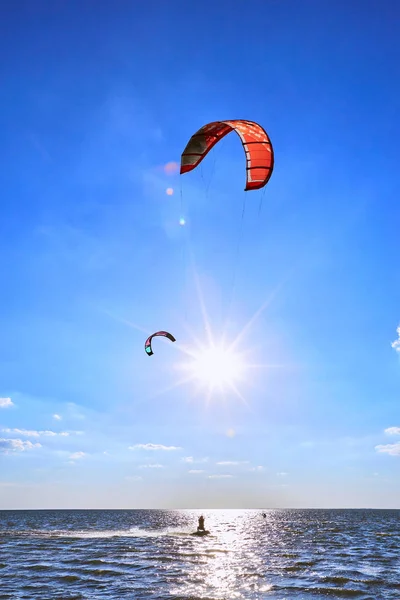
[(216, 367), (215, 364)]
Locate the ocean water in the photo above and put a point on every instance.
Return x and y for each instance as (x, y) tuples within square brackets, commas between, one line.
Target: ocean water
[(150, 554)]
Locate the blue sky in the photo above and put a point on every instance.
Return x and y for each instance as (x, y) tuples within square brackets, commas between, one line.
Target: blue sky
[(95, 100)]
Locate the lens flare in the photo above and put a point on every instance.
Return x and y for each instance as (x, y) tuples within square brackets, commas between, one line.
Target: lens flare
[(171, 167)]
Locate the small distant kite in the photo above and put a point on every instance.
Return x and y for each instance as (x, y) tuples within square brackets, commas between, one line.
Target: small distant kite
[(256, 144), (147, 345)]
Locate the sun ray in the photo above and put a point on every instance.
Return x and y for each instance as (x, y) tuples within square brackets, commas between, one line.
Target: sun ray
[(260, 310), (270, 366), (252, 320), (125, 321), (200, 298), (208, 397), (238, 394), (216, 366), (179, 383), (195, 339)]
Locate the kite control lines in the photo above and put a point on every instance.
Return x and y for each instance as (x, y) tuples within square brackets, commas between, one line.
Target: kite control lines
[(259, 163)]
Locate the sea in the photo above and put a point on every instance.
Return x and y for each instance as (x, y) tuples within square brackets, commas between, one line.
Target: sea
[(151, 554)]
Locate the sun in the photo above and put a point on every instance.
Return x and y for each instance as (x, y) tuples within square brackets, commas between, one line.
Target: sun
[(215, 367)]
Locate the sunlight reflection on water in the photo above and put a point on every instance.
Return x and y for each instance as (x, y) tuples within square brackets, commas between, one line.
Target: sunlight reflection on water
[(234, 566), (151, 554)]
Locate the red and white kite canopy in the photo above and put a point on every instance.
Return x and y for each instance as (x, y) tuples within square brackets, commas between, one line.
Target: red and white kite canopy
[(256, 144)]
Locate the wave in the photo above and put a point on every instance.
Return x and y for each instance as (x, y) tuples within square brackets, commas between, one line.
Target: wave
[(133, 532)]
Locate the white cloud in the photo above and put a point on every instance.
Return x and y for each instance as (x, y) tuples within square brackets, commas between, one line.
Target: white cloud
[(196, 471), (57, 417), (396, 343), (220, 476), (77, 455), (151, 466), (190, 459), (28, 432), (153, 447), (133, 478), (282, 474), (392, 449), (233, 462), (6, 402), (258, 468), (7, 445), (392, 431), (34, 433)]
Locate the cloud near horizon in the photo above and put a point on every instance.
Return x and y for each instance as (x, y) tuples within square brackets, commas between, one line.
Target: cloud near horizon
[(153, 447), (191, 460), (15, 445), (34, 433), (77, 455), (233, 462)]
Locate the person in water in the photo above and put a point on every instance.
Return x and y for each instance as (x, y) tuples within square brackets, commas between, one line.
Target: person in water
[(200, 526)]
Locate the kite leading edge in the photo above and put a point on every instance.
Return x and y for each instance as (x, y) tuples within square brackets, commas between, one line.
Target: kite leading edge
[(147, 345), (255, 141)]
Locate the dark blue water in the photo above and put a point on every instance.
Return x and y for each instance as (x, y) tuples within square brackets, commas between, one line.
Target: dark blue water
[(150, 554)]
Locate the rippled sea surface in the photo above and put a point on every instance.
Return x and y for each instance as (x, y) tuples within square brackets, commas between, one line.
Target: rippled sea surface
[(150, 554)]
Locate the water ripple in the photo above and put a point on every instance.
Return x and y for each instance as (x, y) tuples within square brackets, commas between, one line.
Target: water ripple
[(150, 555)]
